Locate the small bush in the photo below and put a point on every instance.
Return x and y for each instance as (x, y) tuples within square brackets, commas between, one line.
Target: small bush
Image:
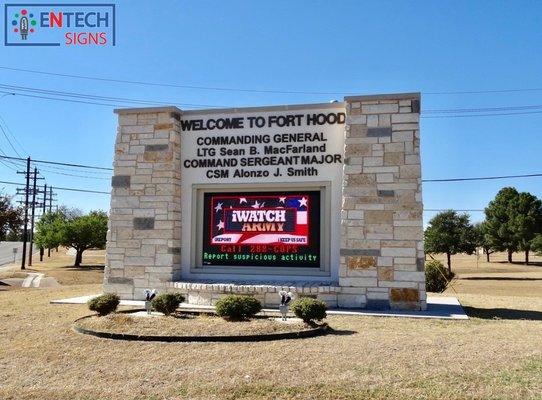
[(309, 309), (237, 308), (180, 297), (104, 304), (437, 276), (167, 303)]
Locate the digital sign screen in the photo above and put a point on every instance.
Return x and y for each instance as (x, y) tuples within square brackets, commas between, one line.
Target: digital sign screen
[(272, 229)]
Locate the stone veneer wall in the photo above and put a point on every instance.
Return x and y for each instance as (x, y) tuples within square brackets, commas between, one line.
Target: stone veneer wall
[(144, 238), (382, 259)]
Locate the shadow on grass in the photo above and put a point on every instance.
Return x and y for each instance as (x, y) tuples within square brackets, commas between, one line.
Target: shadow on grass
[(84, 268), (522, 263), (497, 278), (503, 313), (340, 332)]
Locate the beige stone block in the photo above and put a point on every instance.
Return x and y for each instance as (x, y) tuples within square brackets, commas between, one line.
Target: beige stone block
[(358, 150), (358, 282), (351, 300), (379, 217), (404, 294), (356, 119), (127, 119), (372, 122), (135, 129), (380, 169), (384, 120), (361, 262), (407, 232), (359, 179), (412, 159), (384, 178), (380, 108), (372, 161), (394, 147), (405, 136), (385, 274), (410, 276), (357, 131), (400, 118), (394, 158), (404, 127), (355, 214), (398, 252)]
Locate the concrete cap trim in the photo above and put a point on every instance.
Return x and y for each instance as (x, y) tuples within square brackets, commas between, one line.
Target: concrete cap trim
[(285, 107), (388, 96), (146, 110)]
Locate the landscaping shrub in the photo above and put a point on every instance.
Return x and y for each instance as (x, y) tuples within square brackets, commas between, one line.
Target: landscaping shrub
[(437, 276), (104, 304), (179, 297), (237, 308), (167, 303), (309, 309)]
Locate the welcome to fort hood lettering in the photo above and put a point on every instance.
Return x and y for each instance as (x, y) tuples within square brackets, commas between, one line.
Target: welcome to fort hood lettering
[(304, 150)]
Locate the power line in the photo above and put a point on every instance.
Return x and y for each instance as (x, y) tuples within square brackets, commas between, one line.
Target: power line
[(60, 163), (143, 83), (423, 180), (89, 101), (469, 110), (95, 97), (69, 100), (60, 188), (484, 178), (101, 192), (480, 115), (454, 209), (9, 141), (13, 136), (232, 89)]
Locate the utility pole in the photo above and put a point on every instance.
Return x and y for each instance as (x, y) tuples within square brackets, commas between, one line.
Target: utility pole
[(25, 229), (44, 205), (32, 218), (50, 210)]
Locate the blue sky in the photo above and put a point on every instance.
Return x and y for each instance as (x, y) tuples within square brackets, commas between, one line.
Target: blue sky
[(344, 47)]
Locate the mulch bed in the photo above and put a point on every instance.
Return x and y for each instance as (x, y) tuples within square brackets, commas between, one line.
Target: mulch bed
[(192, 327)]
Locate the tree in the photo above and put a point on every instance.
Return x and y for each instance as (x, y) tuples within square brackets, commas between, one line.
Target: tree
[(513, 219), (481, 241), (85, 232), (11, 218), (536, 244), (499, 232), (450, 233), (49, 229), (526, 221)]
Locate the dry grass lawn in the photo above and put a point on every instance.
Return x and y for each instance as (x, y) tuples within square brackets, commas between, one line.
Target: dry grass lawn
[(496, 355), (60, 266)]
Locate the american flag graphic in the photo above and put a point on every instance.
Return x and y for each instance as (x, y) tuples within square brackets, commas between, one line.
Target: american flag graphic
[(261, 219)]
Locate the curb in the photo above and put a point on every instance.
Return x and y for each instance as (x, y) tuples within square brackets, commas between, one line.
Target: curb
[(318, 331)]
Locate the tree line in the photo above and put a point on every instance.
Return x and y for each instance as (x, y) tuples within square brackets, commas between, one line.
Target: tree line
[(65, 227), (513, 222), (70, 228)]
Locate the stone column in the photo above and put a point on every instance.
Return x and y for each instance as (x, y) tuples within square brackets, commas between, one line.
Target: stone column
[(144, 238), (382, 259)]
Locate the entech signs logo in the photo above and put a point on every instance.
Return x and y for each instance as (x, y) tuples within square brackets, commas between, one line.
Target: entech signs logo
[(59, 24)]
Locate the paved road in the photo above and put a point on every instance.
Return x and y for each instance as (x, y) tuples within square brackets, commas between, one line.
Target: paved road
[(6, 252)]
